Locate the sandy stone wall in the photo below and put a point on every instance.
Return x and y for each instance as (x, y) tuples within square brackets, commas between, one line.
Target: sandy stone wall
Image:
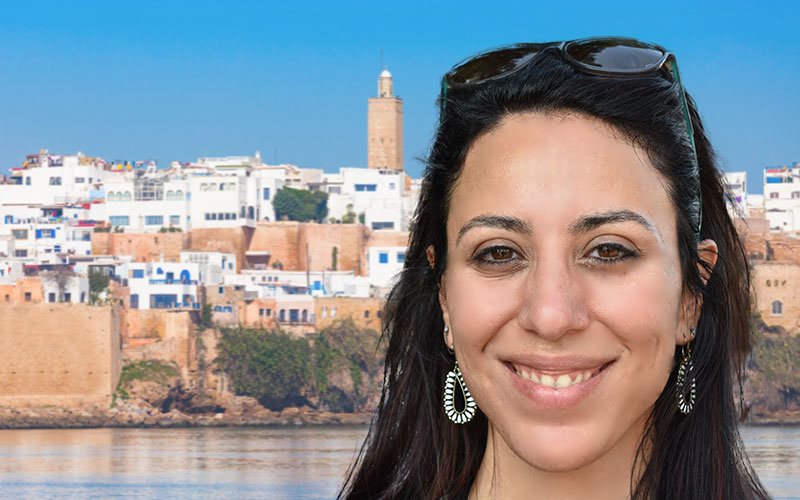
[(233, 240), (319, 240), (281, 239), (58, 354), (286, 242), (365, 312), (144, 247), (778, 281), (172, 334), (387, 239)]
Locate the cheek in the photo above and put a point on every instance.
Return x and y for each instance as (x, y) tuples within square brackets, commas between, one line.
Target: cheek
[(478, 308)]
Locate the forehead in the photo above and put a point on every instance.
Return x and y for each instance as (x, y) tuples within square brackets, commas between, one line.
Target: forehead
[(552, 168)]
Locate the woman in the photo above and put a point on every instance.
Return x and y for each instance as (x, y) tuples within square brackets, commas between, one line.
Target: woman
[(574, 290)]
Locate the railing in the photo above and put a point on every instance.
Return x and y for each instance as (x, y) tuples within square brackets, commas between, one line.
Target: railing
[(173, 282)]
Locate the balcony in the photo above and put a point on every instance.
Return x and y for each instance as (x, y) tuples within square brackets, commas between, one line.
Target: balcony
[(173, 282)]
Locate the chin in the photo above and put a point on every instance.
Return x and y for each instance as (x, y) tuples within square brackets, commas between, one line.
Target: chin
[(558, 450)]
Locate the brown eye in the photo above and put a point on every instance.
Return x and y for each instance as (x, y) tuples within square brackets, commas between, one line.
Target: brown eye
[(501, 253), (608, 252)]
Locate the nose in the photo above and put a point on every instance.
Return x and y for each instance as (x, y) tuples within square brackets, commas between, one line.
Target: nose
[(553, 302)]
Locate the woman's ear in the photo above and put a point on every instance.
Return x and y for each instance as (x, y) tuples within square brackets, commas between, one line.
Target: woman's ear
[(431, 254), (707, 251), (692, 304)]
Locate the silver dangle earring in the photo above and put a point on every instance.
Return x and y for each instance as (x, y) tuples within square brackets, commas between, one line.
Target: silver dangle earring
[(685, 382), (454, 380)]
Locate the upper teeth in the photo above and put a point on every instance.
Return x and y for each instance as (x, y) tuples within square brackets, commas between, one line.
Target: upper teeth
[(556, 382)]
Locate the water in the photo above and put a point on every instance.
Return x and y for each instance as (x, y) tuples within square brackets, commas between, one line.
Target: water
[(243, 463)]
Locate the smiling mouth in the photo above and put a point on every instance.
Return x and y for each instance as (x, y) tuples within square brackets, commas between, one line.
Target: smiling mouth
[(557, 380)]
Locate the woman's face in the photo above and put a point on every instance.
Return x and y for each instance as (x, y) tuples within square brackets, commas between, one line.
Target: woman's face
[(563, 288)]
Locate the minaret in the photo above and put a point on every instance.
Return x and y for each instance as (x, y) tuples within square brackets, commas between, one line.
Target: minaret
[(385, 127)]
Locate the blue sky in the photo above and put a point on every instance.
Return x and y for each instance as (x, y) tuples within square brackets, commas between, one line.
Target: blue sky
[(179, 80)]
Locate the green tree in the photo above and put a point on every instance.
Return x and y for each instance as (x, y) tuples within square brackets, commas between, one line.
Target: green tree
[(206, 315), (268, 366), (300, 205), (97, 281)]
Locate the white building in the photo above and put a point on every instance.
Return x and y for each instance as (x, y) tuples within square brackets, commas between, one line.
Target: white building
[(782, 198), (52, 179), (162, 285), (212, 266), (384, 265), (63, 286), (378, 194), (736, 185)]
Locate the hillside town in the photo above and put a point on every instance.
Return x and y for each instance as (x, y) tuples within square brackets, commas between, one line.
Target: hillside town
[(105, 263)]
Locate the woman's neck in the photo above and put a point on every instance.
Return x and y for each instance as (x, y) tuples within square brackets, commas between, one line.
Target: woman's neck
[(504, 475)]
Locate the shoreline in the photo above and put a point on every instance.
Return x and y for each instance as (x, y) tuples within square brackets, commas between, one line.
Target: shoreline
[(96, 417)]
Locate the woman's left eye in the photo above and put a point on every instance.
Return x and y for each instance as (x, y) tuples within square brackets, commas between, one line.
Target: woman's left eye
[(607, 253)]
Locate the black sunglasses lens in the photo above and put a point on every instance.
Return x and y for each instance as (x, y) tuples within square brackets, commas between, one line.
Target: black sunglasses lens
[(491, 64), (616, 54)]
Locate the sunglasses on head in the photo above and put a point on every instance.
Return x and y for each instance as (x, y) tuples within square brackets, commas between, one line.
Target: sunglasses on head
[(605, 56)]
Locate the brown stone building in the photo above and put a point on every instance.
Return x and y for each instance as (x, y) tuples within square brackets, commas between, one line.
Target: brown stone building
[(385, 127)]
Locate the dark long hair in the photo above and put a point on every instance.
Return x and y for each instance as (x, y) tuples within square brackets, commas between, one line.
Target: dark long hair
[(414, 451)]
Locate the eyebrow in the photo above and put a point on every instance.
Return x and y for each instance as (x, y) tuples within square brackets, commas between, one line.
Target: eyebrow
[(583, 224), (592, 221), (514, 224)]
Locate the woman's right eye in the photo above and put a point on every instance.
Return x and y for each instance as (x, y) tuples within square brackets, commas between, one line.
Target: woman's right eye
[(495, 255)]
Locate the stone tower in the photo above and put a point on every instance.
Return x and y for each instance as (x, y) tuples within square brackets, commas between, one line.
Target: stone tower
[(385, 127)]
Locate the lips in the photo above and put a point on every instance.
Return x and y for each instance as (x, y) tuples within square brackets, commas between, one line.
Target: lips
[(558, 380)]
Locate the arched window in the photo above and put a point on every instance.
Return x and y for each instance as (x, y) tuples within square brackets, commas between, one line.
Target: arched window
[(126, 196), (112, 196), (170, 195), (179, 195), (777, 308), (282, 315)]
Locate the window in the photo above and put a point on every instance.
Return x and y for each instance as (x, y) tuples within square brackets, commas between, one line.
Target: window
[(154, 220), (51, 297), (27, 181), (20, 253), (366, 187), (67, 297), (220, 216), (324, 312), (55, 181), (383, 225), (401, 257), (777, 308), (269, 312), (282, 315), (137, 273), (795, 194), (773, 195), (366, 314), (8, 298), (333, 312), (45, 233), (391, 186), (79, 180), (262, 312), (27, 296), (134, 301), (383, 258), (265, 193), (119, 220), (174, 220), (179, 195), (19, 234), (335, 190)]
